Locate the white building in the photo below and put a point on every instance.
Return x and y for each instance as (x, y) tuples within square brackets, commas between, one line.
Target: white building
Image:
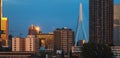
[(30, 44), (116, 51), (24, 44), (18, 44)]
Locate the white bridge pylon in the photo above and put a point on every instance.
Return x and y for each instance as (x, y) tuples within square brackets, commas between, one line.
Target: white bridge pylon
[(80, 26)]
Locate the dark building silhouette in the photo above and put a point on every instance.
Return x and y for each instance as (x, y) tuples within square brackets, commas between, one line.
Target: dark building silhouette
[(101, 21)]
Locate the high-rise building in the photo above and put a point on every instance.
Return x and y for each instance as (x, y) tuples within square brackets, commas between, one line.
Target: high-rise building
[(4, 27), (0, 20), (101, 21), (116, 37), (63, 39)]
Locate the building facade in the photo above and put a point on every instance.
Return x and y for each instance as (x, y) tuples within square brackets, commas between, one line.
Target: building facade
[(116, 37), (0, 20), (24, 44), (18, 44), (31, 43), (46, 40), (101, 21), (63, 39), (4, 27)]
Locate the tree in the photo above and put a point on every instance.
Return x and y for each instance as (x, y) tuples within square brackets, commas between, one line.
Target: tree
[(91, 50), (0, 48)]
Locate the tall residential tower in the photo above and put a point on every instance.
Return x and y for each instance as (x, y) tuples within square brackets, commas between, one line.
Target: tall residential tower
[(101, 21)]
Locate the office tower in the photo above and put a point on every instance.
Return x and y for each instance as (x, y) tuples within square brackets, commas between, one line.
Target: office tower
[(63, 39), (4, 27), (45, 40), (101, 21), (116, 37)]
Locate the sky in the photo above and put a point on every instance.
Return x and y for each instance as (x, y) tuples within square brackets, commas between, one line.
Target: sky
[(48, 14)]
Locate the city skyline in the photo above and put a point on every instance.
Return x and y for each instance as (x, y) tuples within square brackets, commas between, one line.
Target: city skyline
[(49, 15), (59, 29)]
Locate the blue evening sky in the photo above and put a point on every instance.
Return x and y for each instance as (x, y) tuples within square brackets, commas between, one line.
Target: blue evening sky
[(48, 14)]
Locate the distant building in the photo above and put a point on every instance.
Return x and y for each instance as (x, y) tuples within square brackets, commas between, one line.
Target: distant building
[(80, 42), (18, 44), (46, 40), (34, 30), (31, 44), (101, 21), (116, 51), (116, 37), (63, 39), (4, 27), (10, 41), (24, 44)]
